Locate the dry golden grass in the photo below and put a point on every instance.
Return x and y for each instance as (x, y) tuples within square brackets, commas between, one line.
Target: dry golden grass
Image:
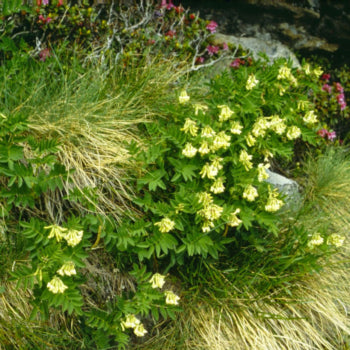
[(95, 119)]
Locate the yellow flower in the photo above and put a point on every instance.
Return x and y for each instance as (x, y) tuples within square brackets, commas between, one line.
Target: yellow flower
[(221, 140), (183, 98), (245, 159), (56, 286), (205, 198), (317, 71), (73, 237), (310, 117), (190, 127), (56, 231), (189, 151), (302, 105), (204, 148), (293, 132), (273, 204), (209, 171), (250, 193), (211, 212), (251, 82), (207, 225), (315, 240), (157, 280), (225, 113), (260, 126), (306, 68), (277, 124), (250, 140), (131, 321), (171, 298), (233, 220), (208, 132), (218, 186), (67, 269), (335, 239), (236, 128), (262, 174), (284, 73), (140, 330), (165, 225), (267, 154), (198, 107)]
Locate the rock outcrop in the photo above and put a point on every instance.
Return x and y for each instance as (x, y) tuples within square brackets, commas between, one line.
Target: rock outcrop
[(308, 26)]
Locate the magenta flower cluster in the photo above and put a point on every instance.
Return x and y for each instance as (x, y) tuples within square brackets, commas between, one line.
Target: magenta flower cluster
[(338, 88), (211, 26), (329, 135)]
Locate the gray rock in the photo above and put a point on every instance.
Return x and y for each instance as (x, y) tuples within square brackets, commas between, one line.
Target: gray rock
[(272, 48), (287, 187)]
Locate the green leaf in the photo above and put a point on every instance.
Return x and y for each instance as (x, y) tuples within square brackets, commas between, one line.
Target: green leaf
[(153, 180)]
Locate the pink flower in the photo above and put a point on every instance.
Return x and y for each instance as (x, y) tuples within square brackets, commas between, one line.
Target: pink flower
[(322, 132), (44, 54), (327, 88), (339, 88), (45, 2), (212, 50), (48, 19), (167, 5), (342, 105), (341, 98), (326, 76), (331, 135), (200, 59), (236, 63), (225, 46), (211, 26), (170, 33)]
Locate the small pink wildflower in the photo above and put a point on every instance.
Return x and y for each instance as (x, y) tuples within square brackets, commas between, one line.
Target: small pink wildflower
[(341, 98), (212, 50), (327, 88), (326, 76), (235, 63), (211, 26), (322, 132), (339, 88), (331, 135), (200, 59), (45, 2), (224, 46), (44, 54)]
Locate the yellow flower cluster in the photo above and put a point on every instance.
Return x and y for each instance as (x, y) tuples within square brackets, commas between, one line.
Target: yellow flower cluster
[(277, 124), (205, 198), (225, 113), (165, 225), (315, 240), (250, 193), (67, 269), (204, 148), (285, 73), (211, 212), (245, 159), (183, 98), (190, 127), (189, 151), (157, 280), (131, 321), (250, 140), (310, 117), (307, 69), (73, 237), (302, 105), (211, 170), (236, 128), (56, 286), (208, 132), (260, 126), (218, 186), (336, 240), (221, 140), (262, 174), (199, 107), (233, 220), (171, 298), (251, 82), (273, 203), (293, 132)]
